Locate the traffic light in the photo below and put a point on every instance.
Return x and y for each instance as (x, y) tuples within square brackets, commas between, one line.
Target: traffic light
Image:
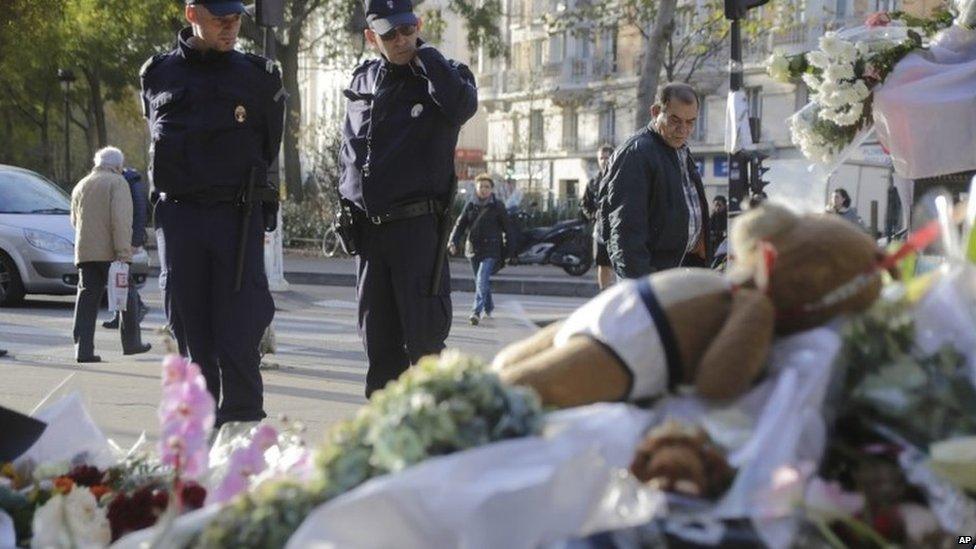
[(756, 171), (736, 9)]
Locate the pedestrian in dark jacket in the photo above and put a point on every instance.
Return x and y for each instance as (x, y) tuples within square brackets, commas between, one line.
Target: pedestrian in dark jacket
[(590, 209), (140, 214), (654, 213), (719, 220), (489, 234)]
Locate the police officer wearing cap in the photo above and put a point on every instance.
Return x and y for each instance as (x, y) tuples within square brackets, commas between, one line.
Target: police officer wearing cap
[(215, 120), (403, 115)]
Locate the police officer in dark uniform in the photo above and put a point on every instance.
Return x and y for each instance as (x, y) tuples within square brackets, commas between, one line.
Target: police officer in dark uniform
[(215, 119), (403, 116)]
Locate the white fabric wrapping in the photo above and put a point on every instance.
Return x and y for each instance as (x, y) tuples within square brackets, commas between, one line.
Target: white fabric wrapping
[(118, 285), (947, 314), (70, 431), (619, 319), (536, 491), (737, 132), (8, 536), (521, 493), (925, 112)]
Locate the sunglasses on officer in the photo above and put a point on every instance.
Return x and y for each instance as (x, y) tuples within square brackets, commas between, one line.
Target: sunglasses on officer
[(405, 31)]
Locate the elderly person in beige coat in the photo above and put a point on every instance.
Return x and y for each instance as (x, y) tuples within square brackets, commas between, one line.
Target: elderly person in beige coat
[(101, 213)]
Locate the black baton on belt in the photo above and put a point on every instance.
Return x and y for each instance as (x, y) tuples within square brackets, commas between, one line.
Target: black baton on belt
[(443, 235), (247, 204)]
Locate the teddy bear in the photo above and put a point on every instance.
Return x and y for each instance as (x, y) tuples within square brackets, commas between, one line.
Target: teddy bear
[(643, 338), (676, 457)]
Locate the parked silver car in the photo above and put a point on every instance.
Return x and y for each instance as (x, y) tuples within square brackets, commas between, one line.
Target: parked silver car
[(37, 241)]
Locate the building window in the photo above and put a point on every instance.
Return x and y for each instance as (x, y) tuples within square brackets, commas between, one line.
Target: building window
[(841, 9), (569, 129), (754, 96), (569, 189), (516, 142), (583, 44), (536, 129), (608, 47), (700, 134), (537, 46), (608, 125), (557, 47)]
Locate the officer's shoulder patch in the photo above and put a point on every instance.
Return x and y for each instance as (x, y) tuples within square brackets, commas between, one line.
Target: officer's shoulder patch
[(267, 65), (150, 63)]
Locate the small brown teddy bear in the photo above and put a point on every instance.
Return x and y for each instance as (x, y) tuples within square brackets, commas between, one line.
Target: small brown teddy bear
[(644, 337), (680, 458)]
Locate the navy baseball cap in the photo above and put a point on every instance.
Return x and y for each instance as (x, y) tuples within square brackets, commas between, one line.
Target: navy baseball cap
[(219, 8), (385, 15)]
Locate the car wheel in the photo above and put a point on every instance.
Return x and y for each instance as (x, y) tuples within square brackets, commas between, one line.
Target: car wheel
[(577, 270), (11, 287)]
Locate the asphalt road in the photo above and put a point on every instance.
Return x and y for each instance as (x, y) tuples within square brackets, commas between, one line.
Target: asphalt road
[(316, 375)]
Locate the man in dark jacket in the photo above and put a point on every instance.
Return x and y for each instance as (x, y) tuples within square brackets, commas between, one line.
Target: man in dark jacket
[(489, 234), (654, 212), (590, 208), (140, 213)]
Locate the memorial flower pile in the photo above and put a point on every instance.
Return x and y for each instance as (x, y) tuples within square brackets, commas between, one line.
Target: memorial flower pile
[(442, 405), (841, 74)]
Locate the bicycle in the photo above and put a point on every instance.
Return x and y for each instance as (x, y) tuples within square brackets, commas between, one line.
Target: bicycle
[(330, 243)]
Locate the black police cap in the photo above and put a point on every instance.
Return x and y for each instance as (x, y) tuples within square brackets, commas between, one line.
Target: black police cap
[(219, 8), (385, 15)]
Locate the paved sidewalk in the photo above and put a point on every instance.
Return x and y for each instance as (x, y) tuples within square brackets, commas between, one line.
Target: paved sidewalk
[(519, 279)]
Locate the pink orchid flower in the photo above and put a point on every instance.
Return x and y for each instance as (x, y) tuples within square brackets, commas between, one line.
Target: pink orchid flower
[(174, 369), (244, 463), (829, 499), (186, 414)]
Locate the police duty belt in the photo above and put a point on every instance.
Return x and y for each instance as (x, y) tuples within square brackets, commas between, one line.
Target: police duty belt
[(407, 211)]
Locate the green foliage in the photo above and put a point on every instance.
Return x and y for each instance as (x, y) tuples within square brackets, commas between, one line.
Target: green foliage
[(103, 42), (266, 517), (481, 19), (922, 397), (434, 26), (306, 220)]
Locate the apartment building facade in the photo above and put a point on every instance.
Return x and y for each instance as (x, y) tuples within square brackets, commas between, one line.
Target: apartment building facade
[(558, 97)]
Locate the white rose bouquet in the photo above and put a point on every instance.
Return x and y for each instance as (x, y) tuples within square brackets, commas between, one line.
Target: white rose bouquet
[(841, 75)]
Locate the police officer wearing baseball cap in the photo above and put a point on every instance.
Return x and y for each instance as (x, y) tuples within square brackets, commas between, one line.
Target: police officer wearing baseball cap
[(215, 120), (403, 115)]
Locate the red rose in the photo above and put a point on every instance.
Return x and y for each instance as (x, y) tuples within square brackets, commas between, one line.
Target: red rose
[(193, 495), (86, 475)]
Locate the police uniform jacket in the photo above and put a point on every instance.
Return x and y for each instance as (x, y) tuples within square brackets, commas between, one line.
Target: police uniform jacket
[(401, 129), (212, 117)]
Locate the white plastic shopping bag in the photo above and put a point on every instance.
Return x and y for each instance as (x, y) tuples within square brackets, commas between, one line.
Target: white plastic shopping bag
[(118, 285)]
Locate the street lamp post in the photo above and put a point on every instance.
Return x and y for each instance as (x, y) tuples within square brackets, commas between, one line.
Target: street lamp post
[(66, 77)]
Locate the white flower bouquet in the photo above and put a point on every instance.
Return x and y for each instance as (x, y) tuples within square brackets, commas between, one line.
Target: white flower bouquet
[(841, 75)]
